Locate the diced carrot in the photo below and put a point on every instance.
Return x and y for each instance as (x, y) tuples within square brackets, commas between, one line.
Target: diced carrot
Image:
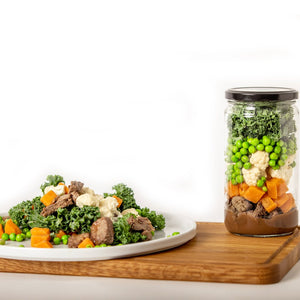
[(272, 188), (11, 227), (119, 200), (40, 231), (242, 188), (253, 194), (43, 244), (86, 242), (268, 203), (232, 189), (60, 234), (36, 239), (48, 198), (1, 231)]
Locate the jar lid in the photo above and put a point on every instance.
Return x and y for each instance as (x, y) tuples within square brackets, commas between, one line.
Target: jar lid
[(261, 94)]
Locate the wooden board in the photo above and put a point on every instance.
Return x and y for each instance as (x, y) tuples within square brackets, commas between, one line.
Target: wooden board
[(213, 255)]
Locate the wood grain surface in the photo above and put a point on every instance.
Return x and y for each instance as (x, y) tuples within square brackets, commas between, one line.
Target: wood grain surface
[(213, 255)]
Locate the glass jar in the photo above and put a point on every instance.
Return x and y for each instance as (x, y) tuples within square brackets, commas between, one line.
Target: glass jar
[(261, 173)]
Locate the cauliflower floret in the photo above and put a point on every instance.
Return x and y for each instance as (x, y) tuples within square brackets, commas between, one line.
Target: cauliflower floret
[(108, 208), (87, 190), (58, 190), (285, 172), (252, 175), (87, 199), (260, 160), (130, 211)]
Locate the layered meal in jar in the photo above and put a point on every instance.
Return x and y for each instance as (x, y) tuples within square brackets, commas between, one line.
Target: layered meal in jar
[(261, 160)]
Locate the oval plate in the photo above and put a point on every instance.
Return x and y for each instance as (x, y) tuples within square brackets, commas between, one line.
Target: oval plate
[(160, 242)]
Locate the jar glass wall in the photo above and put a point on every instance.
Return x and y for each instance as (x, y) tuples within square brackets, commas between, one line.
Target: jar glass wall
[(261, 161)]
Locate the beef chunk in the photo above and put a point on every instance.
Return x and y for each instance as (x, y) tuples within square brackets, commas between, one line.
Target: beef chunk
[(75, 239), (59, 202), (141, 224), (259, 211), (75, 186), (240, 204), (102, 231)]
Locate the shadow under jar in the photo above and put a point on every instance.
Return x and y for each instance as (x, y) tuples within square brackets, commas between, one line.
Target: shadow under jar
[(261, 149)]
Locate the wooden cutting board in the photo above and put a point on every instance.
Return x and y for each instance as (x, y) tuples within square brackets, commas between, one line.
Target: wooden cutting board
[(213, 255)]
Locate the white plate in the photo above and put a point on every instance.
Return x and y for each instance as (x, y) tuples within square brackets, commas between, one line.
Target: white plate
[(160, 242)]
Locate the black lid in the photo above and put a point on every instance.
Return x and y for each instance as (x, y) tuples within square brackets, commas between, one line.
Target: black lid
[(261, 94)]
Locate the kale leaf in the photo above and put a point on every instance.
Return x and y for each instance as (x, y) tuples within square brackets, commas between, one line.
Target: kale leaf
[(157, 221), (124, 234), (126, 194), (52, 180)]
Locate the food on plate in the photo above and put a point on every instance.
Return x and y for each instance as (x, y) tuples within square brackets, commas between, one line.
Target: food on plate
[(76, 216), (260, 157)]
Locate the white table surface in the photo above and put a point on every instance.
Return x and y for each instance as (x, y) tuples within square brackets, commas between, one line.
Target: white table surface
[(31, 286)]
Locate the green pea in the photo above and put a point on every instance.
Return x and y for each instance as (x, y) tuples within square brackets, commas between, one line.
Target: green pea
[(263, 178), (293, 164), (276, 167), (243, 151), (238, 172), (245, 145), (264, 188), (269, 148), (25, 230), (234, 158), (283, 150), (66, 237), (249, 140), (247, 165), (280, 163), (239, 179), (274, 156), (260, 147), (239, 164), (277, 149), (5, 236), (260, 183), (233, 181), (266, 140), (280, 143), (65, 241), (21, 245), (103, 245), (174, 233), (28, 234), (229, 168), (284, 157), (19, 238), (88, 246), (97, 246), (272, 143), (238, 143), (56, 240), (238, 155), (251, 149), (12, 236), (23, 236), (235, 149), (244, 158), (272, 163), (2, 242), (255, 142)]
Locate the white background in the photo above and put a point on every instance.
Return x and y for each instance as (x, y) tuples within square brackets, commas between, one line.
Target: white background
[(133, 91)]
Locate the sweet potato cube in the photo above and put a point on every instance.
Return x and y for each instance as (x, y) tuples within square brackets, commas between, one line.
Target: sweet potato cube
[(48, 198), (43, 244), (288, 205), (282, 200), (1, 231), (242, 188), (253, 194), (232, 190), (268, 203), (11, 227), (36, 239), (40, 231), (86, 242), (272, 188), (281, 186)]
